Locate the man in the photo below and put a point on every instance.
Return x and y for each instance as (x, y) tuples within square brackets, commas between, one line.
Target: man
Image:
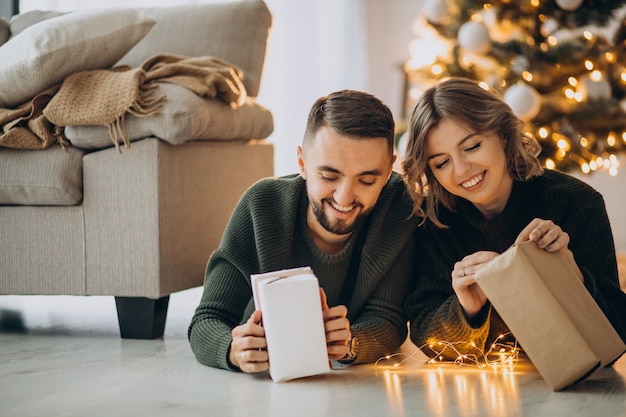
[(346, 215)]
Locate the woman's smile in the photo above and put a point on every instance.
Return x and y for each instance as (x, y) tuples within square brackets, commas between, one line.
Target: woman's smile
[(474, 181)]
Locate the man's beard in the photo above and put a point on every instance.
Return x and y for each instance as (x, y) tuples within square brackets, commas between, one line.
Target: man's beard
[(338, 227)]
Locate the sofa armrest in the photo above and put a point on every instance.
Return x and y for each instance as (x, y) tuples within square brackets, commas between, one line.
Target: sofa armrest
[(154, 214)]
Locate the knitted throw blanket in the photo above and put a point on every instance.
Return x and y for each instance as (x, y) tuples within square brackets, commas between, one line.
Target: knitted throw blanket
[(105, 97), (206, 76), (25, 127)]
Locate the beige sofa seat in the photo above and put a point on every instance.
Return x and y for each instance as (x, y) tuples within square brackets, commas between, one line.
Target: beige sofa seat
[(140, 224)]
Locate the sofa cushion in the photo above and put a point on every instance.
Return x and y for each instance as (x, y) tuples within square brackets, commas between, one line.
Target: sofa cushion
[(21, 21), (235, 31), (43, 54), (183, 117), (47, 178)]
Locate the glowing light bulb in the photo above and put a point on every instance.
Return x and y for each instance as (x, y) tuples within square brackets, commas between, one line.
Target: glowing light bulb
[(611, 140), (437, 69), (595, 75)]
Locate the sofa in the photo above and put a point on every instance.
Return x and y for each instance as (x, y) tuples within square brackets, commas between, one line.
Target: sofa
[(130, 208)]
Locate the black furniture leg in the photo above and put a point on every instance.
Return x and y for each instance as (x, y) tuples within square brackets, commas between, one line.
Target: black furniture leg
[(140, 317)]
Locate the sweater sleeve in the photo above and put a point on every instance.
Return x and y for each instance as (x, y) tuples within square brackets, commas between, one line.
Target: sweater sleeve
[(226, 294), (381, 326), (386, 274), (435, 314), (591, 242), (256, 240)]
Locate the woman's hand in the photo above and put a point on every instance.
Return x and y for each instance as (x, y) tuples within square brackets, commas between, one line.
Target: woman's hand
[(548, 235), (248, 350), (470, 296), (337, 328)]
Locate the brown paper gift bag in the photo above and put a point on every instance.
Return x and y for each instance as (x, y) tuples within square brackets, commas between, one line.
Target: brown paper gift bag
[(545, 305)]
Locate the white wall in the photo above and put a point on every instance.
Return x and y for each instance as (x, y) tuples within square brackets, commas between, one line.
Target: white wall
[(320, 46)]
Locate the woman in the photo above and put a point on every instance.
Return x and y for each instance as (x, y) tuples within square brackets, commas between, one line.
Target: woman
[(478, 188)]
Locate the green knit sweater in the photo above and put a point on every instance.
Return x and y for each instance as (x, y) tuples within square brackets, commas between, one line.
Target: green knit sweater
[(433, 308), (268, 232)]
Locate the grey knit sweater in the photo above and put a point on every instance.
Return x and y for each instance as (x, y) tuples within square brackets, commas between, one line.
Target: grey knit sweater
[(578, 209), (268, 232)]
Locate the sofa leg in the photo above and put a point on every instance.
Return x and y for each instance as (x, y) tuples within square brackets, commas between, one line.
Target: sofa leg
[(140, 317)]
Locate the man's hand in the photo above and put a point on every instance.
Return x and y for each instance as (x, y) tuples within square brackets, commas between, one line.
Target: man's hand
[(337, 328), (248, 350)]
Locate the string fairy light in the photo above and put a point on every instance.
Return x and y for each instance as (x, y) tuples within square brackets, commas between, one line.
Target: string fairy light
[(500, 355)]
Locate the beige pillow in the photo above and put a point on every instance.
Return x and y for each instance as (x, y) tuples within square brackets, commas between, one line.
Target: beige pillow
[(236, 31), (43, 54), (51, 177), (183, 117), (21, 21)]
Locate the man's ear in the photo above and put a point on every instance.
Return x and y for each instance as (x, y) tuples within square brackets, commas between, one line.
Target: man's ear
[(393, 161), (301, 162)]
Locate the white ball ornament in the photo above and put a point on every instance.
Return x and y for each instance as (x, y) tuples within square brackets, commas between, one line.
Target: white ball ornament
[(524, 100), (569, 5), (592, 90), (436, 11), (474, 37)]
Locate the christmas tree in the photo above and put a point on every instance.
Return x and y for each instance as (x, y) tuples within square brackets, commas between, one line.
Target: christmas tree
[(559, 64)]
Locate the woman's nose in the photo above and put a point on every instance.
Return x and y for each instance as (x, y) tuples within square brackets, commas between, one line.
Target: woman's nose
[(461, 166)]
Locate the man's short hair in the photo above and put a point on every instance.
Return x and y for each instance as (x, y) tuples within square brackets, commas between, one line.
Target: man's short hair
[(351, 113)]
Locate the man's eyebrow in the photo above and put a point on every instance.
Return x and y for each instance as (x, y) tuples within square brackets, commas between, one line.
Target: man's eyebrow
[(373, 172), (327, 168), (461, 142)]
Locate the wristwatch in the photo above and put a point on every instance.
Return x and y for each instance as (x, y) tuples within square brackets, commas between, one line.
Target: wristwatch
[(353, 350)]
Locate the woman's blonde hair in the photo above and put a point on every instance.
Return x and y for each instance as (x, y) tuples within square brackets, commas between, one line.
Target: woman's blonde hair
[(467, 104)]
